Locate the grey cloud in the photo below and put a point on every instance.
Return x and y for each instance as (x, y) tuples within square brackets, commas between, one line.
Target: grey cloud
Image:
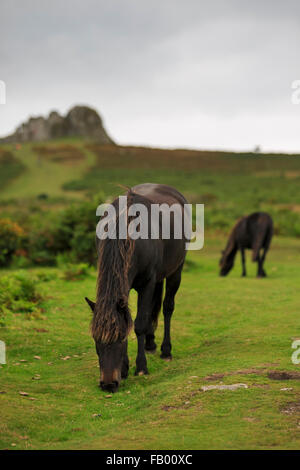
[(143, 62)]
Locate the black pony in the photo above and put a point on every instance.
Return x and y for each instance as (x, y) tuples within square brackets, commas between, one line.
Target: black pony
[(141, 264), (254, 232)]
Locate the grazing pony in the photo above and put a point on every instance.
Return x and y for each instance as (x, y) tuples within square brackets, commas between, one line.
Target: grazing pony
[(253, 232), (141, 264)]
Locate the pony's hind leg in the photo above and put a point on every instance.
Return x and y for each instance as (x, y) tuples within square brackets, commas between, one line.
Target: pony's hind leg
[(150, 344), (172, 285)]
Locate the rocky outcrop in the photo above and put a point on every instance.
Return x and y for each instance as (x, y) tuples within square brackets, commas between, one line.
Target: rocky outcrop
[(80, 121)]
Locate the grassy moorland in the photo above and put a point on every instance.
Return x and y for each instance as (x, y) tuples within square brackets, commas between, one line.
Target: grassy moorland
[(229, 184), (10, 168), (45, 169), (225, 330)]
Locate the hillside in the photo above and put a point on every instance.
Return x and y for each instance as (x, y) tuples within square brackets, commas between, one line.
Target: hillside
[(229, 184), (10, 167)]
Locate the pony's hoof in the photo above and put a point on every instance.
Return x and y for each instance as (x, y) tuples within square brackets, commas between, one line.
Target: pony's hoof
[(166, 358), (150, 351), (141, 372)]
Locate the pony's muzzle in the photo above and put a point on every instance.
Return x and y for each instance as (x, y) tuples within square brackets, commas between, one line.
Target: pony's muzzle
[(111, 387), (110, 380)]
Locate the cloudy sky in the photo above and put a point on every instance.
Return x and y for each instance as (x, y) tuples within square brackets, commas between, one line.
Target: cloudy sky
[(172, 73)]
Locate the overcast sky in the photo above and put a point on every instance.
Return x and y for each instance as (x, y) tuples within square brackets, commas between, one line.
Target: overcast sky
[(172, 73)]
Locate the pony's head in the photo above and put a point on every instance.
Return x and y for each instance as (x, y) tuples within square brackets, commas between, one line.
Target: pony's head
[(226, 263), (111, 345), (112, 322), (227, 259)]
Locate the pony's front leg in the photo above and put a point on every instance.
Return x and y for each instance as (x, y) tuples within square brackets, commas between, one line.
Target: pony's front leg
[(141, 325)]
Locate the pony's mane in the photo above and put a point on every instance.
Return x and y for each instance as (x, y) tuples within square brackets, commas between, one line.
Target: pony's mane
[(231, 242), (112, 320)]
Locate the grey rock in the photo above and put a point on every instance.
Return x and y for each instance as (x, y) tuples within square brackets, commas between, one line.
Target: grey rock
[(206, 388), (80, 121)]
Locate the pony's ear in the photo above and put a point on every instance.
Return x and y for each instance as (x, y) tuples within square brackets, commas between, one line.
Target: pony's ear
[(91, 304)]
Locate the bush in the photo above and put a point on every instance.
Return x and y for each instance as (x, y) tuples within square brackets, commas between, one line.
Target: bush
[(41, 247), (75, 272), (44, 276), (20, 260), (75, 232), (84, 245), (18, 294), (11, 237), (70, 232)]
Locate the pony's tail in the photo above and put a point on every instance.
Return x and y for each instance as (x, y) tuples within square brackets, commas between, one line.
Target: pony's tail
[(255, 253), (258, 244)]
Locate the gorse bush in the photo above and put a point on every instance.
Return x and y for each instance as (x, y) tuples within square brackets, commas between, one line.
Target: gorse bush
[(45, 276), (73, 272), (40, 245), (75, 232), (11, 237), (45, 236), (19, 294)]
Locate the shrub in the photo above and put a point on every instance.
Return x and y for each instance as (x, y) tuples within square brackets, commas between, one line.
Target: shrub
[(75, 272), (20, 260), (70, 232), (18, 294), (11, 236), (83, 244), (44, 276), (75, 232), (41, 249)]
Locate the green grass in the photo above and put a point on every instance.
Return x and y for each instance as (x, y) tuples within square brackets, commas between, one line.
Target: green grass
[(10, 168), (43, 175), (240, 327)]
